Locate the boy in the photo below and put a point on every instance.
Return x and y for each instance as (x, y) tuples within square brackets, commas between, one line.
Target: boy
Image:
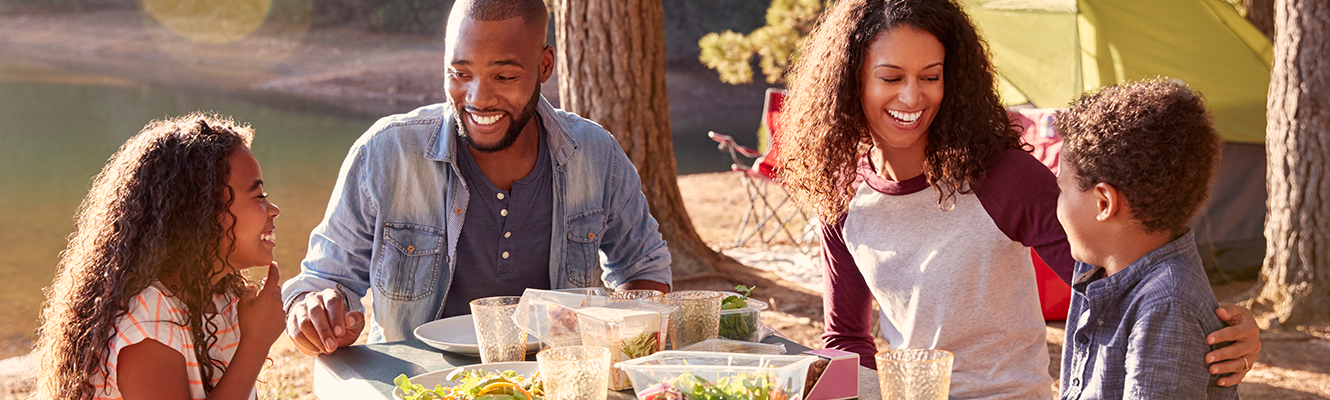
[(1136, 164)]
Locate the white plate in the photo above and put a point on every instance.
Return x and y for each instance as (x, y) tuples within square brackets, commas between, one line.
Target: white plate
[(440, 377), (458, 335)]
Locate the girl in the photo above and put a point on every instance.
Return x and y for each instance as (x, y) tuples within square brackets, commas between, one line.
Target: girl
[(147, 302), (928, 199)]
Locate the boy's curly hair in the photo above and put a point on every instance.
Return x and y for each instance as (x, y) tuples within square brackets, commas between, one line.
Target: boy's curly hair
[(826, 131), (1153, 140), (153, 212)]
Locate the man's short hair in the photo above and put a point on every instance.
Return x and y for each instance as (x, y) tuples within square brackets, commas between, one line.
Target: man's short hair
[(532, 11), (1153, 140)]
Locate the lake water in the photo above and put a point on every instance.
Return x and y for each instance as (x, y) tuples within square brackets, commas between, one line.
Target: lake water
[(58, 128)]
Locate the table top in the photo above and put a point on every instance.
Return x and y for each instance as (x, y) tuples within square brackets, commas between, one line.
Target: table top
[(367, 371)]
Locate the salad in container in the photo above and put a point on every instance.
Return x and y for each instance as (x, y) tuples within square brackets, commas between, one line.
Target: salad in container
[(629, 329), (739, 316), (683, 375)]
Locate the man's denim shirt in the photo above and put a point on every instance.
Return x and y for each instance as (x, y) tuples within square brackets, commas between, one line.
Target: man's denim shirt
[(1140, 333), (392, 224)]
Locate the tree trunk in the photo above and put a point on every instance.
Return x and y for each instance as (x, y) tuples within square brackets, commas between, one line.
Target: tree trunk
[(1262, 14), (611, 64), (1295, 281)]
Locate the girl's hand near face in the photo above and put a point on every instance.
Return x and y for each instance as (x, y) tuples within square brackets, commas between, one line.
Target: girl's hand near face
[(261, 317)]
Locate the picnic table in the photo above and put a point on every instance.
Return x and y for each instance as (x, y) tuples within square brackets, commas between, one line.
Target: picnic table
[(367, 371)]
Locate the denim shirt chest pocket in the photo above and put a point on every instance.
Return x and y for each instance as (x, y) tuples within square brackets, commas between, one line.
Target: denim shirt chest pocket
[(584, 235), (412, 256)]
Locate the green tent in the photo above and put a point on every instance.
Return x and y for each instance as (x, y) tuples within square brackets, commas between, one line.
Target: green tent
[(1048, 52)]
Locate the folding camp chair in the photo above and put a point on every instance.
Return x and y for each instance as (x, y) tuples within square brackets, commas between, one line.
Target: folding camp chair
[(1037, 130), (766, 218)]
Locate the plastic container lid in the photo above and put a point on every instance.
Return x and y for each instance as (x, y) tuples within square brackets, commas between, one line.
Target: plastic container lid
[(753, 304), (735, 346), (670, 370)]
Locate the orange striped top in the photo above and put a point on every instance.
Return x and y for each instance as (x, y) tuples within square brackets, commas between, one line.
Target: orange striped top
[(155, 314)]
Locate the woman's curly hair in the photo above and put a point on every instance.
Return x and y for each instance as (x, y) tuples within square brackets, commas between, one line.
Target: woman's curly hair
[(1153, 140), (826, 131), (152, 213)]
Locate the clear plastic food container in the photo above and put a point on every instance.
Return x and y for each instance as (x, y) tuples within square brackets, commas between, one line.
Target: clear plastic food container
[(735, 346), (697, 375), (743, 323), (551, 316), (629, 329)]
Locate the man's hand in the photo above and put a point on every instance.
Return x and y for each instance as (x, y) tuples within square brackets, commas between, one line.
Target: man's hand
[(645, 284), (1238, 357), (320, 323)]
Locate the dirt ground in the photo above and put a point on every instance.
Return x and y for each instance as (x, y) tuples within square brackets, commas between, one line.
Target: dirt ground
[(373, 73)]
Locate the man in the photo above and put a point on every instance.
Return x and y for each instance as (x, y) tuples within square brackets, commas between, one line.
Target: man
[(489, 194)]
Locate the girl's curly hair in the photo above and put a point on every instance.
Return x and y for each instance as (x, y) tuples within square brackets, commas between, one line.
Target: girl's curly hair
[(826, 131), (152, 213)]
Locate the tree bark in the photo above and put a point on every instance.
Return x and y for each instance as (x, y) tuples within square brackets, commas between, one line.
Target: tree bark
[(1262, 14), (1295, 281), (611, 65)]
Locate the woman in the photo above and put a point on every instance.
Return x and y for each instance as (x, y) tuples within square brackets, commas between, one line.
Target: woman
[(147, 302), (928, 199)]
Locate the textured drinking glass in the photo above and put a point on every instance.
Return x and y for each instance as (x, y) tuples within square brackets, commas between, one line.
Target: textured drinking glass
[(697, 319), (637, 294), (499, 337), (575, 372), (254, 276), (914, 374)]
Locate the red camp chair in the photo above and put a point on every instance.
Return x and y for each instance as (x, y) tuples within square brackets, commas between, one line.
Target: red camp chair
[(765, 219), (1037, 130)]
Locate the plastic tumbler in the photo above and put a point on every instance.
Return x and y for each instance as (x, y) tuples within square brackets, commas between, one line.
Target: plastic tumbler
[(575, 372), (914, 374), (637, 294), (697, 319), (499, 337)]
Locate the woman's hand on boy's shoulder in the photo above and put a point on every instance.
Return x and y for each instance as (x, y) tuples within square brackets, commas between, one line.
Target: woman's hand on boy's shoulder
[(261, 316), (1238, 357)]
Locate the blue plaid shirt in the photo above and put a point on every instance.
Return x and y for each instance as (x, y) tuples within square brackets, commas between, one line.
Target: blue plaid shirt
[(1140, 333)]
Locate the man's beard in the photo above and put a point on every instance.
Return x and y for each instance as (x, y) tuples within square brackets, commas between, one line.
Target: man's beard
[(509, 137)]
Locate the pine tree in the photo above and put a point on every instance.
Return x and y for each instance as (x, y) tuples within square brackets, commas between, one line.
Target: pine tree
[(776, 44)]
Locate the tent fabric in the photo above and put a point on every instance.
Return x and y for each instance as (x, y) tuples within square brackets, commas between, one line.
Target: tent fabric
[(1048, 52), (1230, 228)]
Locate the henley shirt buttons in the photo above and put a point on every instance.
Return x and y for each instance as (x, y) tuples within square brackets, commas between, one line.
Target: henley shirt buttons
[(507, 234), (505, 255), (503, 212), (499, 195), (1075, 381)]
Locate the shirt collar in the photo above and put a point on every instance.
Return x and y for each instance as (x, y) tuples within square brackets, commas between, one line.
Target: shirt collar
[(886, 186), (1137, 270)]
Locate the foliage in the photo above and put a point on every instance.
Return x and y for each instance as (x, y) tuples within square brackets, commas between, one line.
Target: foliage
[(776, 44)]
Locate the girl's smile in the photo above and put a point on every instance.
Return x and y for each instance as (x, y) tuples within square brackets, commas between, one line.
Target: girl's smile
[(253, 225)]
